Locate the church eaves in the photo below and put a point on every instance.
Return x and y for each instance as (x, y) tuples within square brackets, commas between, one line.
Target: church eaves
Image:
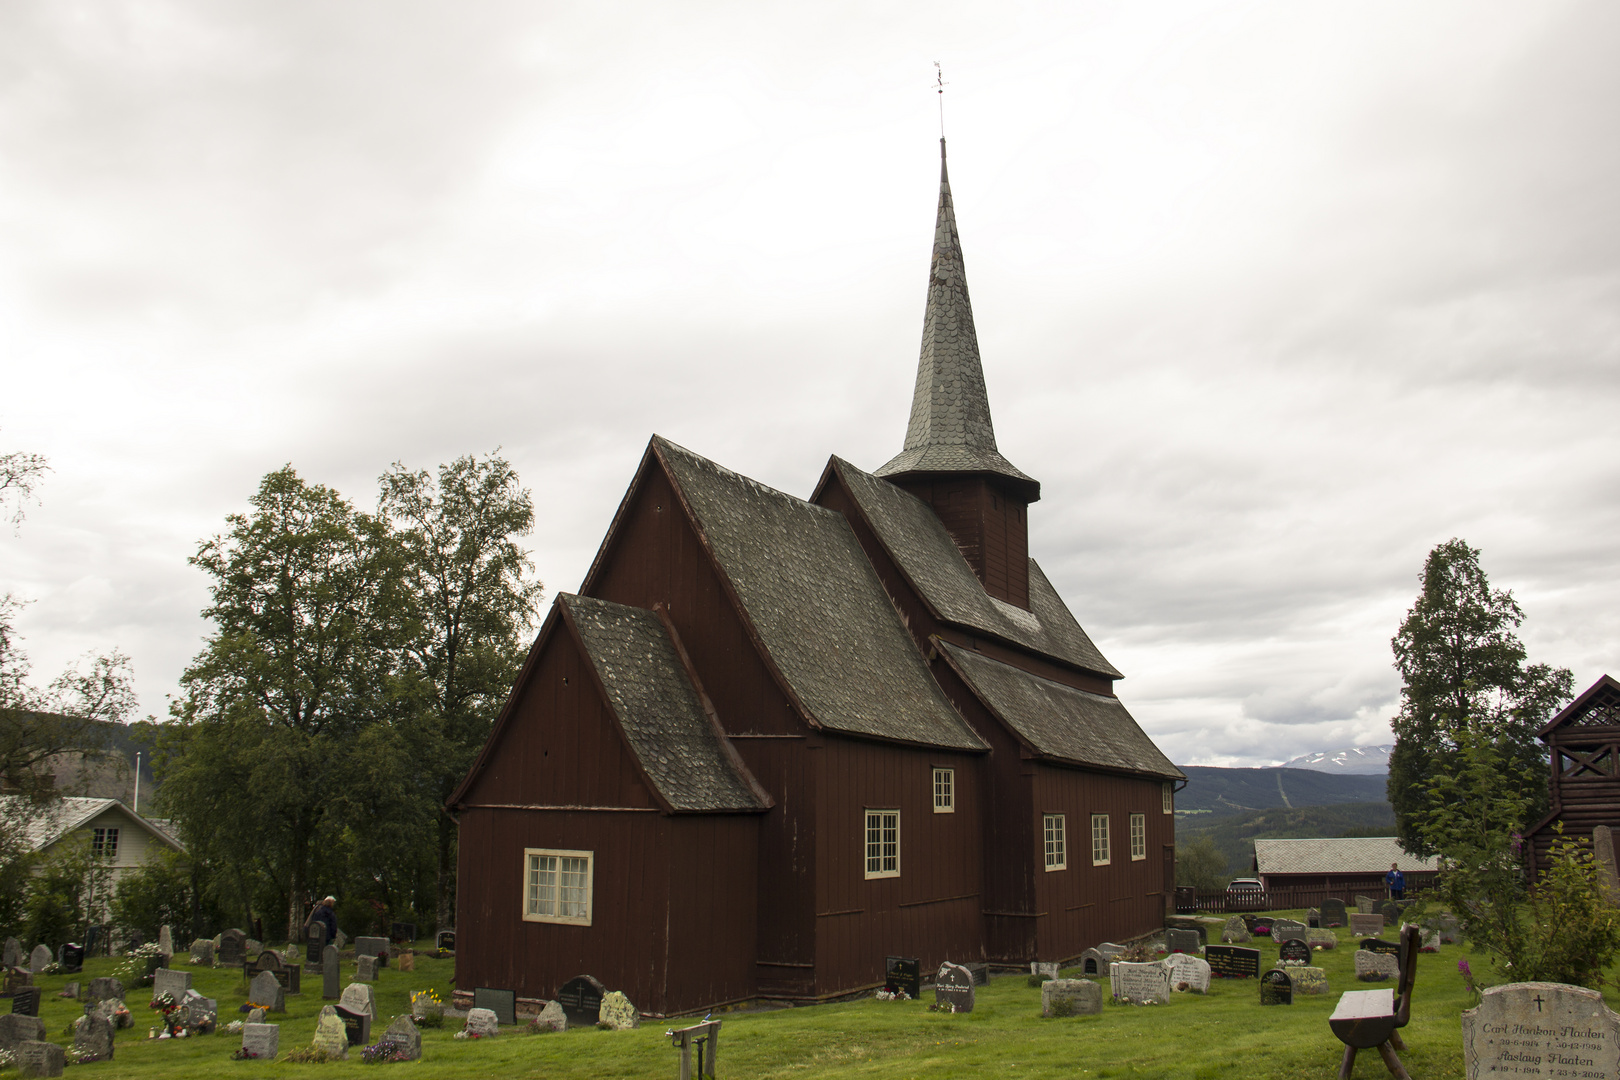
[(950, 429)]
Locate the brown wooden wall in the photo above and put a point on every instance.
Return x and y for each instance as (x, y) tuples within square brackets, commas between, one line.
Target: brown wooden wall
[(990, 529), (1581, 802), (931, 910)]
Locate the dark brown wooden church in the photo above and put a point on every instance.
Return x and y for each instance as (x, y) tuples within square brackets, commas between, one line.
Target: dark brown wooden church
[(1583, 742), (774, 740)]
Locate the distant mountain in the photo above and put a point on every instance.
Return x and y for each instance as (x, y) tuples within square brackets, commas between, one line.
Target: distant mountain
[(1231, 791), (1354, 759)]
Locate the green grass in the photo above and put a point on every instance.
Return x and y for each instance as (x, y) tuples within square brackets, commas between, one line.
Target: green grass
[(1197, 1037)]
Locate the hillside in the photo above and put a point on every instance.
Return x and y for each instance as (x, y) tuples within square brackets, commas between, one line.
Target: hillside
[(1231, 791), (1234, 835)]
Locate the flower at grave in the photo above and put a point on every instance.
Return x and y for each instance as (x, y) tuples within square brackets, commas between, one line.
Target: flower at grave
[(383, 1052), (234, 1027)]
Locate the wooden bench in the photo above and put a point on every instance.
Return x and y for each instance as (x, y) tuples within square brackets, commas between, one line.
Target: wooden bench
[(1372, 1019), (684, 1039)]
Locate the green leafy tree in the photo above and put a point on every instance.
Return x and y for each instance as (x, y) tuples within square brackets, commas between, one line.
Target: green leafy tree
[(157, 893), (68, 890), (475, 602), (1461, 663), (1201, 865)]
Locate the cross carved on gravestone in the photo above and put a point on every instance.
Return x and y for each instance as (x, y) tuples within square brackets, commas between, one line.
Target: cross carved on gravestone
[(1538, 1000)]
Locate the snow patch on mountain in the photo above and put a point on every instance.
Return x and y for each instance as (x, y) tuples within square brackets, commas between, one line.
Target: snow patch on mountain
[(1355, 759)]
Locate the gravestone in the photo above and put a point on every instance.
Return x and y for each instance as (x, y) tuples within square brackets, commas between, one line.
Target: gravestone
[(199, 1010), (1429, 939), (953, 987), (1182, 941), (402, 932), (1364, 904), (1070, 997), (482, 1023), (39, 960), (268, 960), (1313, 918), (1232, 962), (261, 1041), (1276, 988), (17, 1029), (1308, 980), (15, 979), (202, 953), (266, 990), (13, 956), (581, 999), (1261, 927), (618, 1013), (1390, 910), (503, 1003), (1321, 939), (329, 973), (903, 974), (1333, 913), (72, 958), (359, 999), (255, 1016), (93, 1038), (232, 948), (1603, 857), (370, 946), (403, 1035), (39, 1059), (447, 940), (1139, 983), (165, 940), (1095, 961), (71, 990), (551, 1018), (356, 1026), (1389, 948), (331, 1035), (1044, 967), (1235, 931), (1369, 925), (1540, 1030), (1188, 974), (1249, 920), (252, 946), (980, 972), (1283, 929), (365, 969), (1294, 951), (103, 988), (173, 983), (315, 943), (407, 960), (25, 1002), (1450, 929), (1374, 966)]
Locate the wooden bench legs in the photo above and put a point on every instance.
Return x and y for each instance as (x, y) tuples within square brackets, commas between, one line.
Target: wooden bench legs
[(1385, 1051)]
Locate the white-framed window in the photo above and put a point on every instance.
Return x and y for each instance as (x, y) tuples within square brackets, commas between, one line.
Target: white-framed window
[(1099, 840), (1169, 797), (1138, 837), (882, 843), (944, 791), (1057, 852), (104, 844), (557, 885)]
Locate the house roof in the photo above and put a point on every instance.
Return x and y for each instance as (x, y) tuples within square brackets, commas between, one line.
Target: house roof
[(1596, 706), (56, 819), (1340, 855), (816, 606), (950, 430), (921, 547), (1059, 721), (681, 750)]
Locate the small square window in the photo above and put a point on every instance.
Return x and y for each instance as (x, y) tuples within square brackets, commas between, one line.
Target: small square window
[(1056, 851), (104, 844), (557, 886), (882, 843), (1099, 840), (1169, 790), (1138, 837), (944, 791)]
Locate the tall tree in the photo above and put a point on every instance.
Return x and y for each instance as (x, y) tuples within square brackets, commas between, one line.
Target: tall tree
[(475, 601), (311, 622), (1463, 667)]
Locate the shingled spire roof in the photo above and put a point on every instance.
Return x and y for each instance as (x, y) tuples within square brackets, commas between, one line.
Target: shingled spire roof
[(950, 429)]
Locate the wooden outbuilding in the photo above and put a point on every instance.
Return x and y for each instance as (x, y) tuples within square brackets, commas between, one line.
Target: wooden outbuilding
[(773, 740), (1583, 743)]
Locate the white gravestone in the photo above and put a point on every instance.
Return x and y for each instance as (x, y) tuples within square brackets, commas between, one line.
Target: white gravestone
[(261, 1040), (173, 983), (1532, 1030), (1140, 984), (1188, 973), (1043, 967), (1372, 966), (1366, 925), (39, 959), (1070, 997), (360, 999), (551, 1018), (481, 1023), (331, 1035), (266, 991)]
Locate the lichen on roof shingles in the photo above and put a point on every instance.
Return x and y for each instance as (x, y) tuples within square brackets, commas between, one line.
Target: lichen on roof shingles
[(818, 607)]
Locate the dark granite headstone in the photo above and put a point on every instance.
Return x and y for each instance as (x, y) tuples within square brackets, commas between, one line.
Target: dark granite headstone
[(1232, 961), (503, 1003), (402, 932), (72, 958), (980, 973), (1294, 949), (232, 948), (357, 1026), (1276, 988), (1377, 945), (39, 1059), (903, 973), (447, 940), (953, 987), (315, 943), (1390, 910), (1334, 913), (290, 976), (13, 954), (581, 999), (1261, 928), (329, 973), (1181, 941), (1249, 920), (25, 1002)]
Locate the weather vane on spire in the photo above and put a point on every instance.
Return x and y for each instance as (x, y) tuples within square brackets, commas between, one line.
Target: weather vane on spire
[(940, 84)]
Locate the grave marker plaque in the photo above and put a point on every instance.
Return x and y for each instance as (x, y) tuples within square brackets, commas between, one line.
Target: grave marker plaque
[(232, 948), (1294, 951), (503, 1003), (1070, 997), (1283, 929), (267, 990), (173, 983), (1261, 928), (1188, 973), (72, 958), (1321, 939), (315, 943), (1232, 961), (1236, 931), (1182, 941), (1333, 913), (1369, 925), (332, 1034), (404, 1036), (1540, 1030), (1095, 961), (39, 959), (16, 1029), (25, 1002), (953, 986), (261, 1040), (1375, 966), (903, 974), (1044, 967), (1139, 983), (39, 1059), (356, 1025), (581, 999), (1388, 948), (618, 1012), (329, 973), (447, 940), (13, 956), (1276, 988), (370, 946)]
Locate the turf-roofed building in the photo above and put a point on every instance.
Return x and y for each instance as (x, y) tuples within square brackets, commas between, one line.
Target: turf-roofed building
[(774, 740)]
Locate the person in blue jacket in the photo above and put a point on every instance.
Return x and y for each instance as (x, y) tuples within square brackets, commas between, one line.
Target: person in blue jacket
[(1396, 882), (324, 915)]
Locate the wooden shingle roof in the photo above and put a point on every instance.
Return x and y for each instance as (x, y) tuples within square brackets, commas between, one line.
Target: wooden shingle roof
[(1338, 855)]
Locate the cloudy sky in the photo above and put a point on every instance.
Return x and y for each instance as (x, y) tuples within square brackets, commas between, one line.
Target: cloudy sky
[(1273, 297)]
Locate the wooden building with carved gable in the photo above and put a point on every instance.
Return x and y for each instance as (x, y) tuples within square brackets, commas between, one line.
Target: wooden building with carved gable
[(1583, 742), (773, 740)]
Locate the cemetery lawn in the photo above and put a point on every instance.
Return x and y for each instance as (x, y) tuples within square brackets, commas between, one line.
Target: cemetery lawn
[(1196, 1037)]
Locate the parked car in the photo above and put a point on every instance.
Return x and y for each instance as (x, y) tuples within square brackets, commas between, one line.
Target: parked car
[(1245, 894)]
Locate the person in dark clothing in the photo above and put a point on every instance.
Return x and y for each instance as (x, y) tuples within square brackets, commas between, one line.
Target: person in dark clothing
[(1396, 882), (324, 915)]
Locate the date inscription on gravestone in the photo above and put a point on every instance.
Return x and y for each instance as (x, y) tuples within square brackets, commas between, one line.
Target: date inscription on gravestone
[(1294, 950), (1232, 961), (1541, 1030), (581, 999), (1276, 988), (903, 973)]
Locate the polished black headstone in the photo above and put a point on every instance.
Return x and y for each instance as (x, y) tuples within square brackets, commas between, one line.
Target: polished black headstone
[(1276, 988), (25, 1002), (503, 1003), (447, 940), (72, 959), (316, 942), (1294, 949), (1388, 948), (357, 1026), (903, 973), (1232, 961), (581, 1000)]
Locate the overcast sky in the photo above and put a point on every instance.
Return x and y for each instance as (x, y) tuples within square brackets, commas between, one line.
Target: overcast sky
[(1272, 297)]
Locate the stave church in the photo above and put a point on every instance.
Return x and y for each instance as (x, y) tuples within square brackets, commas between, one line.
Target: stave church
[(774, 740)]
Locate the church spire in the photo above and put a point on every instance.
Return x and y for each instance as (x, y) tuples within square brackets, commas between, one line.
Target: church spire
[(950, 430)]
